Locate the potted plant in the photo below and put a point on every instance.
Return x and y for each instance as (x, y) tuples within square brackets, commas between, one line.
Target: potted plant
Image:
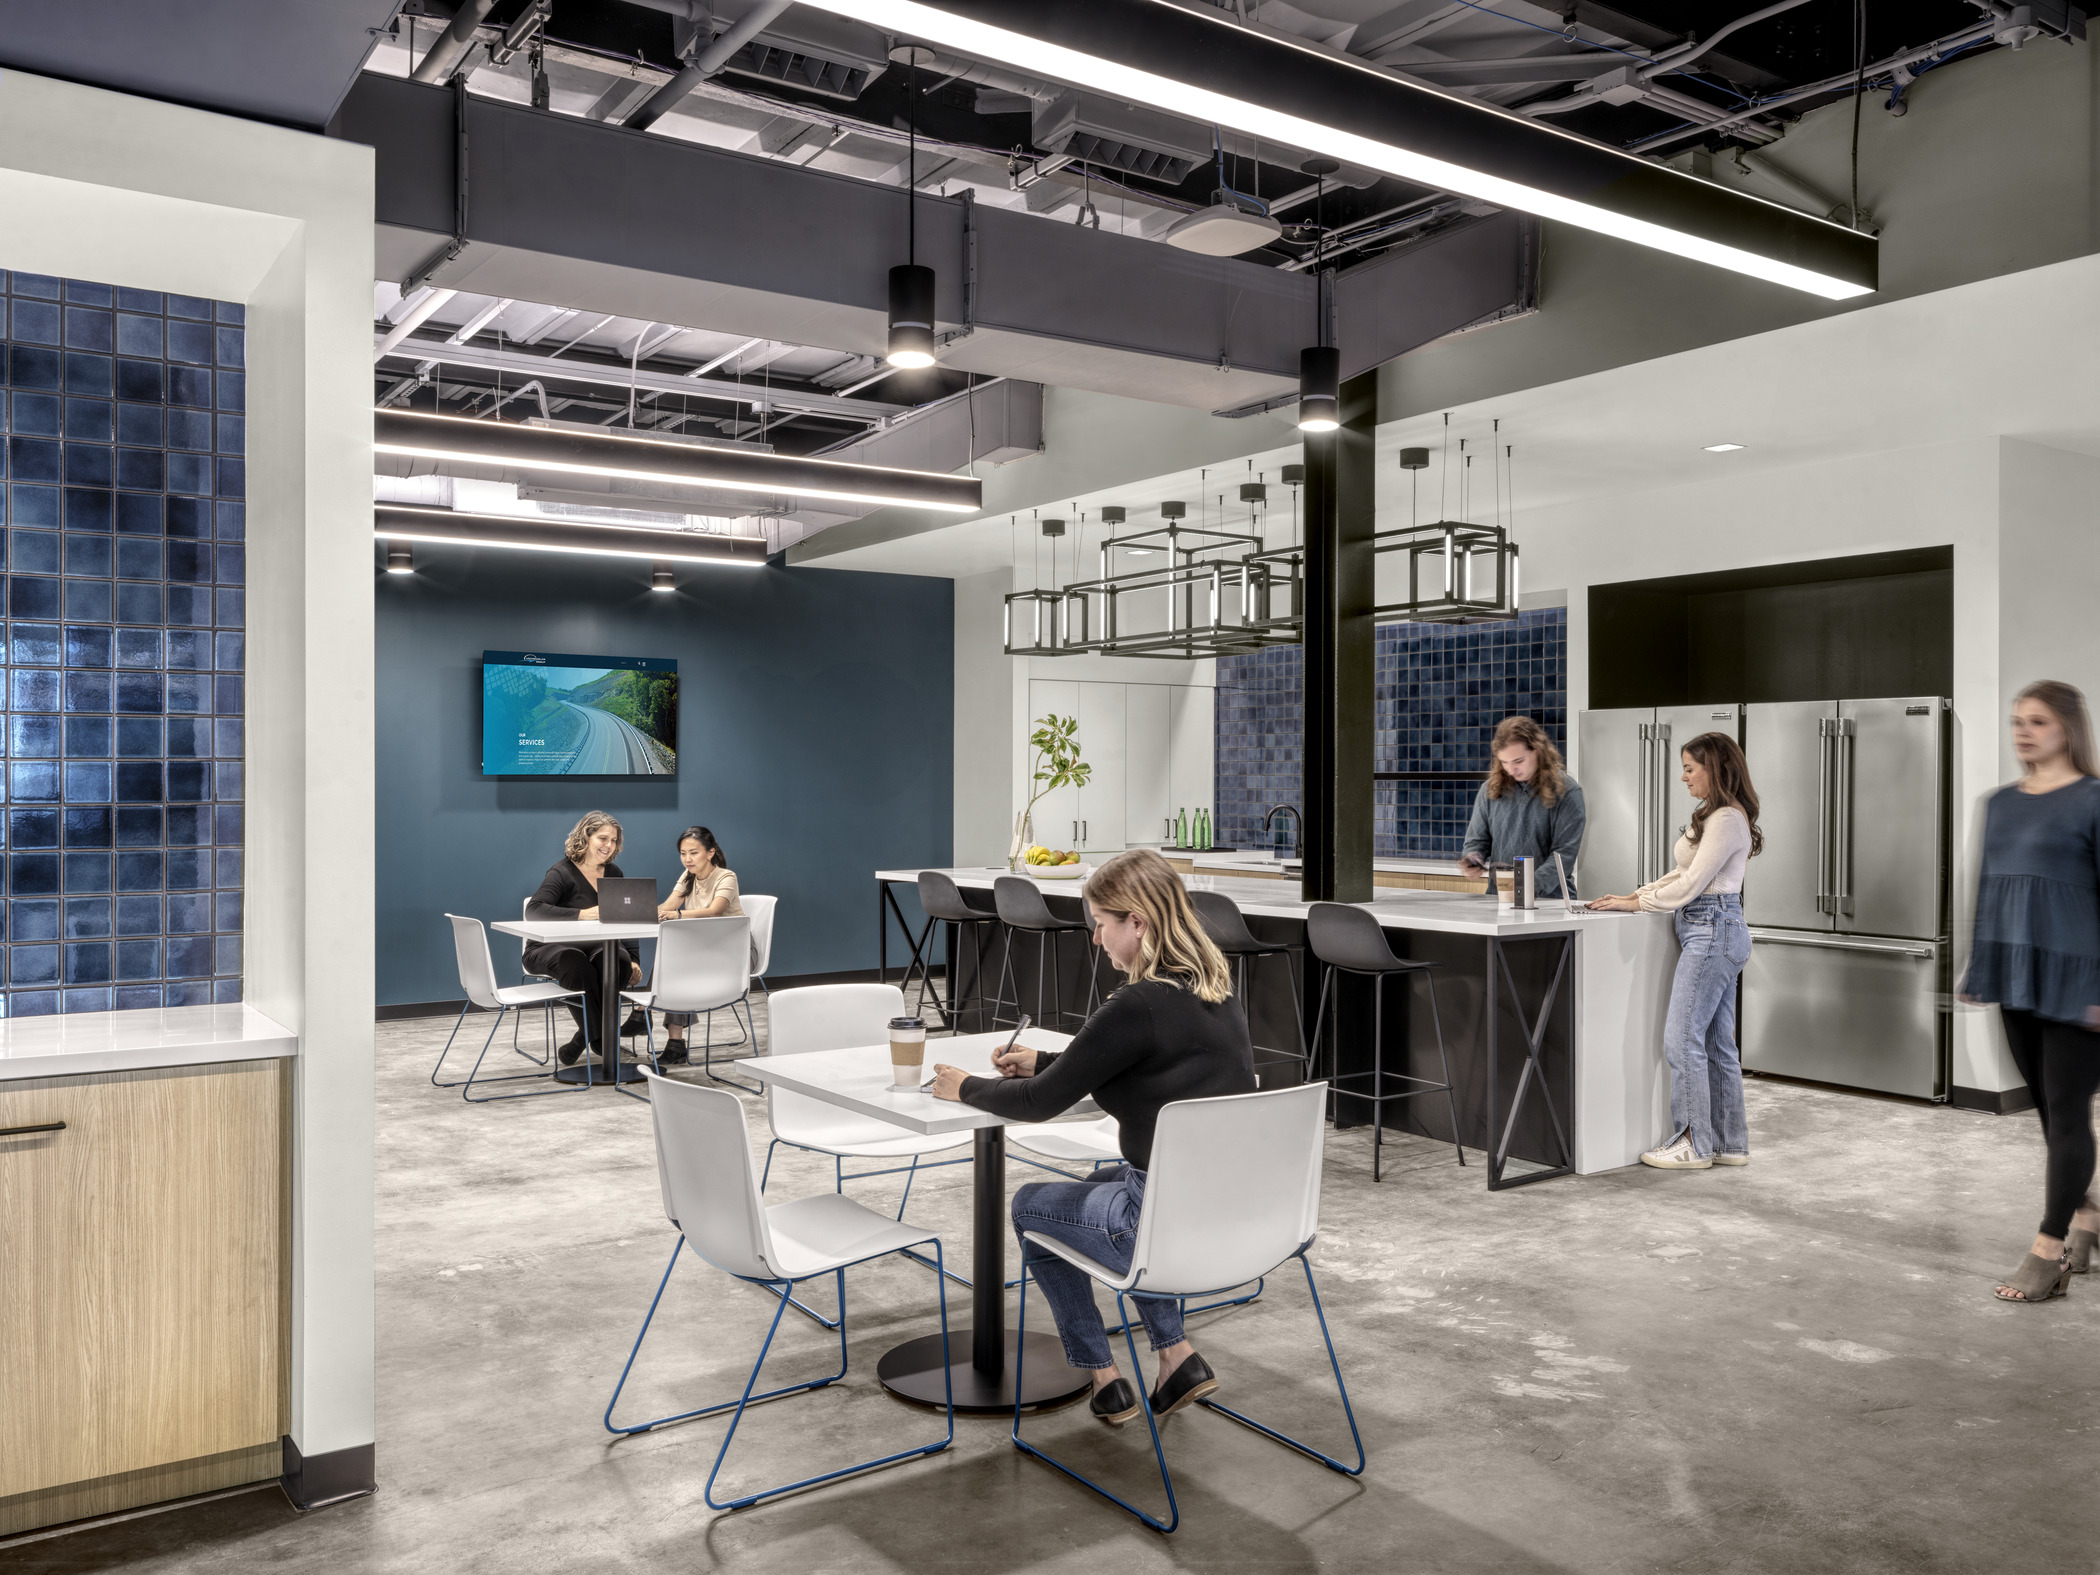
[(1056, 764)]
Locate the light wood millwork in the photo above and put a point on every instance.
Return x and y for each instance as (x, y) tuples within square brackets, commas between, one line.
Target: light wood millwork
[(1403, 880), (142, 1282), (130, 1489)]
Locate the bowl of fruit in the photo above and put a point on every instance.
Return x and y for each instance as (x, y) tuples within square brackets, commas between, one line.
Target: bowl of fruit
[(1053, 864)]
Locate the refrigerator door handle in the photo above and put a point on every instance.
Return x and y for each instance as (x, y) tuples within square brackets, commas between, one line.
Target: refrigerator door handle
[(1922, 949), (1841, 835), (1641, 816), (1823, 784), (1662, 860)]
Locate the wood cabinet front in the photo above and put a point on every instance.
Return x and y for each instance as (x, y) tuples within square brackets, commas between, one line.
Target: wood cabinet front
[(142, 1297)]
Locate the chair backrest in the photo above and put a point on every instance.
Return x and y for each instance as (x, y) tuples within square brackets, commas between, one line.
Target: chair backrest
[(701, 963), (703, 1162), (1233, 1189), (943, 899), (477, 974), (1223, 921), (823, 1017), (1020, 903), (759, 910), (1348, 937)]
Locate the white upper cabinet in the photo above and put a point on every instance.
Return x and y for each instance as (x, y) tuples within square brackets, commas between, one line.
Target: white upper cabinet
[(1151, 752)]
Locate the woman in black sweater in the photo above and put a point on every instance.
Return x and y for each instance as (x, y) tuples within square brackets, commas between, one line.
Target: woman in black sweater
[(1173, 1032), (569, 890)]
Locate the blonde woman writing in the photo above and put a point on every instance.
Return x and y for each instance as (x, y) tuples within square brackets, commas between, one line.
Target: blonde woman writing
[(1171, 1033)]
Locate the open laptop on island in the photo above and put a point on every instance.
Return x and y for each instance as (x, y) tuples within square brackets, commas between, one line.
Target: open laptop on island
[(627, 901)]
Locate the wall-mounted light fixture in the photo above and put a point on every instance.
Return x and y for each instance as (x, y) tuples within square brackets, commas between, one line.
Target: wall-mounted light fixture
[(399, 559), (398, 523), (1209, 68), (660, 578), (564, 451)]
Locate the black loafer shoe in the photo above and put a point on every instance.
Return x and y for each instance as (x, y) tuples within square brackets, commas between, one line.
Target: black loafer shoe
[(571, 1051), (675, 1054), (636, 1025), (1191, 1381), (1115, 1403)]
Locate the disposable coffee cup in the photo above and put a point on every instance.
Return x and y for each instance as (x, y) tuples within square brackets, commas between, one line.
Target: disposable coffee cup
[(1505, 885), (907, 1051)]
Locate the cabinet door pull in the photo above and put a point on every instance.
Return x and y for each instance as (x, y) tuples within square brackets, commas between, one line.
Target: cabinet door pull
[(48, 1126)]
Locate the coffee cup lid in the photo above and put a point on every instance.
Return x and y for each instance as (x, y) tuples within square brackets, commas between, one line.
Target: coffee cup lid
[(907, 1022)]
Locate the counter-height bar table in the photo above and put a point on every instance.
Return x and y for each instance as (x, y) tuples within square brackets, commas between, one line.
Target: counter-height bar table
[(606, 937), (859, 1080), (1601, 983)]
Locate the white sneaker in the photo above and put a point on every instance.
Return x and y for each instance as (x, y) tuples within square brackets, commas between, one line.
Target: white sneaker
[(1676, 1155), (1731, 1159)]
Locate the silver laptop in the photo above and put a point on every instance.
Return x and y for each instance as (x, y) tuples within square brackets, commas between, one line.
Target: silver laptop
[(627, 901)]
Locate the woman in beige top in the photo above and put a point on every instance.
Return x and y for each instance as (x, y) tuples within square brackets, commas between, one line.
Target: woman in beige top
[(1705, 892), (707, 890)]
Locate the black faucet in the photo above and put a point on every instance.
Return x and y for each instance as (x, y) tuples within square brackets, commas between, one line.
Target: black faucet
[(1298, 841)]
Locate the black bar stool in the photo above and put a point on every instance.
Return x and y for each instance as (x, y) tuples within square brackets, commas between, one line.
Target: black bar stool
[(945, 903), (1227, 927), (1350, 940), (1021, 907)]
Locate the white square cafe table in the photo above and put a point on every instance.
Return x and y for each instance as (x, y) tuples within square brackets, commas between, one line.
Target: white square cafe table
[(981, 1357), (606, 937)]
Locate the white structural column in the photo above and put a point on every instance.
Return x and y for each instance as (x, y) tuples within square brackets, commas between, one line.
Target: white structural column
[(102, 186)]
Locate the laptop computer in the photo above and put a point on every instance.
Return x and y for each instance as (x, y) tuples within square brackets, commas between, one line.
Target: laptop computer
[(627, 901)]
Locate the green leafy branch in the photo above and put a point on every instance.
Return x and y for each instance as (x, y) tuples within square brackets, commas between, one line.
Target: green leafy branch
[(1057, 763)]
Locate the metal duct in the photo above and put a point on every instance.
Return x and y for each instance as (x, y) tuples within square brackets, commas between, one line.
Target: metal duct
[(1120, 136), (709, 61)]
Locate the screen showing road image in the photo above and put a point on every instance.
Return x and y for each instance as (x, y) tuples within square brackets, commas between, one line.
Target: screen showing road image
[(547, 713)]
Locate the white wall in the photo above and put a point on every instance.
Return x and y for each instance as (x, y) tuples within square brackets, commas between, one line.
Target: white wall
[(101, 186), (985, 720)]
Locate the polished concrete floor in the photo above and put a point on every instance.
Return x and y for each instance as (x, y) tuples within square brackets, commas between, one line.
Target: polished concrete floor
[(1797, 1366)]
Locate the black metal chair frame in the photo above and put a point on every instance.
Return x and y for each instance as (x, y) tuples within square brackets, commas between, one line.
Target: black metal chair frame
[(1243, 954), (1046, 948)]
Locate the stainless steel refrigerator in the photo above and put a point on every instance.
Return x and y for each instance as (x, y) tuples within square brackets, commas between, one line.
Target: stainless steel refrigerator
[(1636, 806), (1847, 904)]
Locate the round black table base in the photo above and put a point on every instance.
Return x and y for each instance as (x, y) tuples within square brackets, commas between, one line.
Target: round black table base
[(912, 1371), (630, 1072)]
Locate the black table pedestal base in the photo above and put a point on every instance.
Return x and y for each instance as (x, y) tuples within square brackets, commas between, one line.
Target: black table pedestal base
[(630, 1072), (912, 1371)]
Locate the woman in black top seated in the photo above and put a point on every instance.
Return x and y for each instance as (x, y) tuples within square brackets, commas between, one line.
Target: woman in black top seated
[(1173, 1032), (569, 890)]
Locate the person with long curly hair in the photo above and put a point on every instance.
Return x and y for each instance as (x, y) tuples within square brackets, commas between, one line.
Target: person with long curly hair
[(1529, 807), (569, 890)]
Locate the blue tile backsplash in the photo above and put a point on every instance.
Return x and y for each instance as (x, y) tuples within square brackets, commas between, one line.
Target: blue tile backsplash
[(124, 423), (1441, 690)]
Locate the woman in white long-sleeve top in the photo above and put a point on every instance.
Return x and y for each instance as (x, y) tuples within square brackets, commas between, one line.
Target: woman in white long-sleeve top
[(1705, 891)]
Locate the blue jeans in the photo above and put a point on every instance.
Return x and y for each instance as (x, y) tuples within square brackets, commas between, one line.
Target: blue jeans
[(1706, 1068), (1099, 1216)]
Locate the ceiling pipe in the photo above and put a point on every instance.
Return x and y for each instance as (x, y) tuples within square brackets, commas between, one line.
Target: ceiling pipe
[(948, 68), (705, 64), (442, 58), (1677, 59), (411, 321), (533, 387)]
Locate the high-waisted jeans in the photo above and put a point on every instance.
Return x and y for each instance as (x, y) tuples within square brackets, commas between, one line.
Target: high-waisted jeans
[(1706, 1068), (1099, 1216)]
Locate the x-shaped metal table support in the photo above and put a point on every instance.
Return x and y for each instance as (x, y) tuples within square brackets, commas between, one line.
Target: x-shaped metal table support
[(1534, 1040)]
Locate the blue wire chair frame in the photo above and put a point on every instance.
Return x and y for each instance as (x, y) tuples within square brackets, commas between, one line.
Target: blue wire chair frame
[(474, 1076), (1152, 1422), (784, 1290)]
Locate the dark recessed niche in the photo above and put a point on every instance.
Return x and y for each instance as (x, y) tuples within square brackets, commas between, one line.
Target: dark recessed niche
[(1834, 628)]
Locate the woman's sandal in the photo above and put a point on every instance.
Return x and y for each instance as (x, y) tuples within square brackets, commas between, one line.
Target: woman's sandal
[(2036, 1280), (2078, 1248)]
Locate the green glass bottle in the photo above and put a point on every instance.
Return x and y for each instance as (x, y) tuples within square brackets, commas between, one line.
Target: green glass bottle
[(1206, 827), (1181, 829)]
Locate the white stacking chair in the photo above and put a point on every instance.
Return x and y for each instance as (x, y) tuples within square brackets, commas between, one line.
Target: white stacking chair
[(1089, 1143), (759, 910), (524, 946), (1233, 1193), (711, 1197), (702, 966), (477, 981)]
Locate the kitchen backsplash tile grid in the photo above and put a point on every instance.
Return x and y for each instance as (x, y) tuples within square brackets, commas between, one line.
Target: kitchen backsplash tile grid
[(124, 468), (1441, 688)]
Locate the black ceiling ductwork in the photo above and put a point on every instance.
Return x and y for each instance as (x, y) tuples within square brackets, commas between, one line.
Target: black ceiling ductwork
[(573, 213)]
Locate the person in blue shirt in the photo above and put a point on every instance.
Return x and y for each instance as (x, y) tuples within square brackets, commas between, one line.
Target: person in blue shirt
[(1529, 807), (2036, 956)]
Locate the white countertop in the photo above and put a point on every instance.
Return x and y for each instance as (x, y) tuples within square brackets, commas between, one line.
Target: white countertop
[(1453, 912), (1255, 860), (76, 1043)]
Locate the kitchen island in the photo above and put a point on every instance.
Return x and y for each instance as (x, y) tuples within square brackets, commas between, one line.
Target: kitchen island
[(1558, 1066)]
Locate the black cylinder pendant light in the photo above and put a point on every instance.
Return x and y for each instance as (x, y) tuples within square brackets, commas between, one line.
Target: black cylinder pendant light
[(1319, 364), (911, 285)]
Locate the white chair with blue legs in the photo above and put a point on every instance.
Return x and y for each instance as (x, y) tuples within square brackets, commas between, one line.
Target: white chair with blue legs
[(1233, 1194), (759, 911), (700, 968), (838, 1017), (711, 1197), (477, 981)]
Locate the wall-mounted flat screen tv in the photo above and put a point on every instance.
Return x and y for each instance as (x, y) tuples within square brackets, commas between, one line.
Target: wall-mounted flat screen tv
[(550, 713)]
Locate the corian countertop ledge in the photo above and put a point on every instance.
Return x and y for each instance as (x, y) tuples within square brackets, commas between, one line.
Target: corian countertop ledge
[(1269, 861), (74, 1044)]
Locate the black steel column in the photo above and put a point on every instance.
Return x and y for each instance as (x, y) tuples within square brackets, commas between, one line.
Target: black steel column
[(1340, 690)]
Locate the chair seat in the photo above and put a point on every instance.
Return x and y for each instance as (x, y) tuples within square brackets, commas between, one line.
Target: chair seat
[(1069, 1140), (535, 994), (828, 1230), (646, 1000), (863, 1137), (1114, 1279)]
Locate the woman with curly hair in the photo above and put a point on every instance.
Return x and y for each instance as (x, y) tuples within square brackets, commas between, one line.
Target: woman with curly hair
[(569, 890)]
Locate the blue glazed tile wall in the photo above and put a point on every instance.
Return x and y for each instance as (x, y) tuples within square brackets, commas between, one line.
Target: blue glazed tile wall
[(1441, 688), (125, 475)]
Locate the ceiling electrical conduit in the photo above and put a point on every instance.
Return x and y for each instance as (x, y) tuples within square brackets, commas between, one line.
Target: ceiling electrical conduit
[(1677, 59), (444, 56), (705, 64), (411, 321)]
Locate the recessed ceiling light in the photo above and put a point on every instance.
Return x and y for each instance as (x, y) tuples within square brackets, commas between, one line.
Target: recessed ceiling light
[(1284, 91), (1724, 448)]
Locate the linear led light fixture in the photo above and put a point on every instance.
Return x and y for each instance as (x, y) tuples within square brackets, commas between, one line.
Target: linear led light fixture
[(400, 522), (1282, 90), (560, 451)]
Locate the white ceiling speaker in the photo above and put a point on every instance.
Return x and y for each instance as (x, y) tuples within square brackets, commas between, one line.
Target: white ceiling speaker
[(1221, 230)]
